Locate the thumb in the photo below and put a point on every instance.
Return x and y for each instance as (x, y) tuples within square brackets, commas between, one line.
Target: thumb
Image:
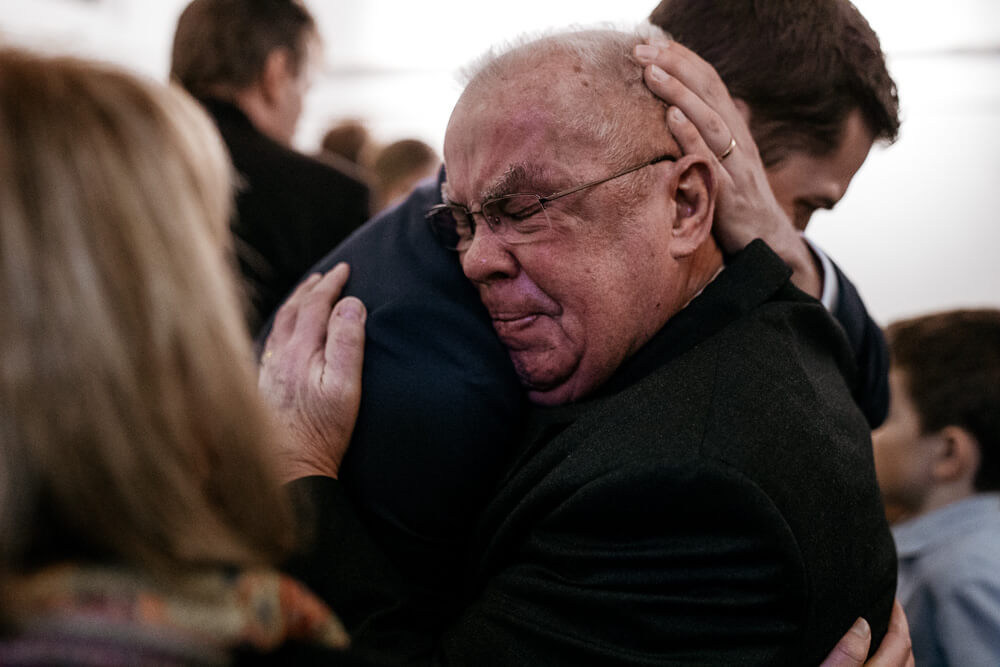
[(345, 347), (852, 649), (345, 344)]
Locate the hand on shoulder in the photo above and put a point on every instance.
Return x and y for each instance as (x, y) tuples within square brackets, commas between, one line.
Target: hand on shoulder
[(311, 374)]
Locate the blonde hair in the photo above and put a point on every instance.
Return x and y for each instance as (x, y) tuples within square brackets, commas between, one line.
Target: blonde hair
[(130, 427)]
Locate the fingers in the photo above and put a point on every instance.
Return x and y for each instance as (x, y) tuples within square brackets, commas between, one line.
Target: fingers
[(852, 649), (896, 649), (690, 69), (315, 306), (315, 285), (686, 134), (679, 77), (284, 320), (311, 374), (672, 91), (301, 324), (345, 344)]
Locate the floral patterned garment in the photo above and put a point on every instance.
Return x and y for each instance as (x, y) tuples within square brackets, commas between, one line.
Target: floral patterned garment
[(71, 615)]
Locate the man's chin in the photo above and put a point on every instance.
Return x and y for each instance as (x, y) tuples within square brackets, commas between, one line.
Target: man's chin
[(551, 388), (545, 386), (556, 385), (548, 397)]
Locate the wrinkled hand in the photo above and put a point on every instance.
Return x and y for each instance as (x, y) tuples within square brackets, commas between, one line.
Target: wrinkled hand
[(311, 374), (705, 119), (894, 651)]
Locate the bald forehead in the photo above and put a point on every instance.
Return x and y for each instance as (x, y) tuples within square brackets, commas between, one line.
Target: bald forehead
[(552, 114), (587, 80), (554, 74)]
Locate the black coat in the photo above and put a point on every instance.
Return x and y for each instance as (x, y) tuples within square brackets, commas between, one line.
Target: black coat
[(442, 405), (715, 503), (290, 209)]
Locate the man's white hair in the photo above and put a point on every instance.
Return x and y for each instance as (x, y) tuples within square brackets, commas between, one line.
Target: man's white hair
[(628, 116)]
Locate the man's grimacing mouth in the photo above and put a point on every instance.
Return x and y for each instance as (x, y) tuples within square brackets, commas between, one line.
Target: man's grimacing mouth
[(509, 327), (515, 318)]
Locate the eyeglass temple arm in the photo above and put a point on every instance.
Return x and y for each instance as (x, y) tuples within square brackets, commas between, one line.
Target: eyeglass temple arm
[(649, 163)]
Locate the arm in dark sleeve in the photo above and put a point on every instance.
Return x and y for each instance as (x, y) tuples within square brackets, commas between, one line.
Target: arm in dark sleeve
[(341, 564), (670, 566), (640, 567), (616, 575), (870, 351)]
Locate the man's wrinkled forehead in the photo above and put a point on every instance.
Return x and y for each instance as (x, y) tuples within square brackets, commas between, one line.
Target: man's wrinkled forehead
[(531, 177), (518, 143)]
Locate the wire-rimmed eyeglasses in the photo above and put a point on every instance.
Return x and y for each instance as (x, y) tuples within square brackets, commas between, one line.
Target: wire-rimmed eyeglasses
[(514, 218)]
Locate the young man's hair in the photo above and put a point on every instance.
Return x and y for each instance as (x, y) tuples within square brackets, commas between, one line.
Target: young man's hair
[(951, 364), (801, 65), (223, 45)]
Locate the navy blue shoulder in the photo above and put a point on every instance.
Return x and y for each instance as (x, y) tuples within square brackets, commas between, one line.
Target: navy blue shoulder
[(870, 351)]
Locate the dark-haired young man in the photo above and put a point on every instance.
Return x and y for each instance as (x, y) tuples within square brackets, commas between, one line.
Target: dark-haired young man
[(937, 458), (248, 63), (810, 81), (809, 78)]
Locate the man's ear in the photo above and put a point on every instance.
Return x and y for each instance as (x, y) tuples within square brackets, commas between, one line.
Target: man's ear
[(693, 189), (957, 456), (277, 70)]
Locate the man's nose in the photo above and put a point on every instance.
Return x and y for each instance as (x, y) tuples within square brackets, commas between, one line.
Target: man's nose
[(487, 258)]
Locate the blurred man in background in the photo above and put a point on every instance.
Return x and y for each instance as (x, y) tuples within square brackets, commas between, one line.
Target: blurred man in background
[(249, 64), (399, 166)]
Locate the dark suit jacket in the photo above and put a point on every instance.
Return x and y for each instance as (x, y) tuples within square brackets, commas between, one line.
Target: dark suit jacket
[(290, 209), (441, 405), (714, 503), (870, 351)]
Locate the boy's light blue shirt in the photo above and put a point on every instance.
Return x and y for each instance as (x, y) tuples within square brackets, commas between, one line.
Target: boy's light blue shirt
[(949, 582)]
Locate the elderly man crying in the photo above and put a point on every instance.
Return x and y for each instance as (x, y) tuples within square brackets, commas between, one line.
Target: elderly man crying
[(695, 482)]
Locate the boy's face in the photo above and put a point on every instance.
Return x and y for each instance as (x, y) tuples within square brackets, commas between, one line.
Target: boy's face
[(903, 454)]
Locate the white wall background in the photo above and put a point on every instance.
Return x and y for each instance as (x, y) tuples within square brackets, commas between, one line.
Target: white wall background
[(918, 231)]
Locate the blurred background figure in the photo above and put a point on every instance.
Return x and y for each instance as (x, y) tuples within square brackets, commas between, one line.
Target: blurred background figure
[(938, 462), (348, 139), (250, 65), (399, 166), (391, 170), (140, 511), (347, 146)]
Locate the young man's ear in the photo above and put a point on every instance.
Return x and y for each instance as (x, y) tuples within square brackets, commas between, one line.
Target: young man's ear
[(957, 457), (274, 77), (693, 188)]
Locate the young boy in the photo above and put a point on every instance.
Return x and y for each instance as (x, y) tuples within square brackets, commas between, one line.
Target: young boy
[(937, 457)]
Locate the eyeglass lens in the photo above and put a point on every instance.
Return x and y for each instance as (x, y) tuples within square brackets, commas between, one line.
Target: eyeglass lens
[(515, 219)]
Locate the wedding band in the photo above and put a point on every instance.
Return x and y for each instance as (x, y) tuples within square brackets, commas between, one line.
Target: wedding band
[(729, 149)]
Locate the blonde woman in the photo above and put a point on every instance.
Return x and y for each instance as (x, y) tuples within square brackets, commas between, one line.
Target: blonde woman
[(141, 511)]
